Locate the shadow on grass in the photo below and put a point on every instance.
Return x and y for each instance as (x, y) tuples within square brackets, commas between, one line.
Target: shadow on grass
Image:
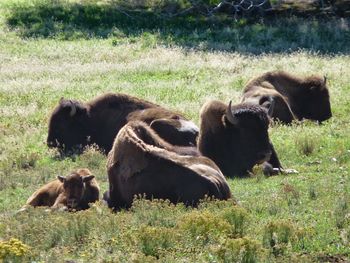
[(63, 20)]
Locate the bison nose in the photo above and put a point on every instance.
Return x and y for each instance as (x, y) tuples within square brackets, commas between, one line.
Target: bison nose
[(51, 143), (263, 156)]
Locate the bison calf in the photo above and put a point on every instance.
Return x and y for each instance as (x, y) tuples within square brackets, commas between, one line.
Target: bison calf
[(295, 98), (141, 162), (236, 138), (74, 123), (74, 191)]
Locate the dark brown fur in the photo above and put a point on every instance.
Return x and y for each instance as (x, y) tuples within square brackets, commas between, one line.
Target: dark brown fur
[(75, 191), (98, 122), (295, 98), (236, 148), (140, 162)]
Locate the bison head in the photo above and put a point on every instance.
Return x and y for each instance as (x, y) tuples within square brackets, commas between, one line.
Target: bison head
[(280, 109), (247, 139), (68, 126), (317, 105), (73, 186)]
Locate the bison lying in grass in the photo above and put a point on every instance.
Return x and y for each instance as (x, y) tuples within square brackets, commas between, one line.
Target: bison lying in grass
[(295, 98), (236, 138), (74, 191), (141, 162), (74, 123)]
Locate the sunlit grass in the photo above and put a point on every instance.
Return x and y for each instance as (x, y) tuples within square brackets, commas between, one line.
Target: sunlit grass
[(300, 217)]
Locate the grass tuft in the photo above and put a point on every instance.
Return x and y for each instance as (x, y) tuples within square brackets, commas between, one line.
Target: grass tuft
[(306, 144)]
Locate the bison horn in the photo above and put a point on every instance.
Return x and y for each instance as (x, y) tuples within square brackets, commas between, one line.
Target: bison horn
[(61, 178), (324, 79), (230, 117), (271, 108), (73, 109)]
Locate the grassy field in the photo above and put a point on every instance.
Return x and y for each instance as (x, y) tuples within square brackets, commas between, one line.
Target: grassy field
[(302, 217)]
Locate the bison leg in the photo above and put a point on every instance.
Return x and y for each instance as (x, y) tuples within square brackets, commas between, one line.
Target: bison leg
[(106, 198), (60, 202), (39, 199), (272, 166)]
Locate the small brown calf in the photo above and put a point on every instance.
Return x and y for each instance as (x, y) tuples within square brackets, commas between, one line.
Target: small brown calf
[(73, 192)]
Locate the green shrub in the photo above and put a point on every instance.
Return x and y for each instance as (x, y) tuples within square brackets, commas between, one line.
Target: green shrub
[(13, 250), (291, 194), (243, 250), (156, 213), (342, 213), (306, 144), (152, 240), (204, 226), (279, 236), (238, 219)]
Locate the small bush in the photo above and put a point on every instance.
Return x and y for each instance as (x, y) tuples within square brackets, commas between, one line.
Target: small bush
[(204, 226), (306, 144), (312, 192), (279, 236), (26, 160), (291, 194), (92, 157), (342, 213), (13, 250), (154, 239), (156, 212), (345, 234), (240, 250), (237, 217)]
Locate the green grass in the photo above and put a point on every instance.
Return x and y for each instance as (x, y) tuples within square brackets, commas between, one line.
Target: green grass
[(287, 218)]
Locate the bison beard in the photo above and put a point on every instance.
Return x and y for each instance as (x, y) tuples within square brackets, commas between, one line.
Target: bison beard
[(236, 138), (75, 125), (295, 98), (140, 162), (74, 191)]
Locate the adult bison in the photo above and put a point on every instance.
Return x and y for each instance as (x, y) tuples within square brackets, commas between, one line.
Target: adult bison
[(295, 98), (75, 123), (141, 162), (74, 191), (236, 138)]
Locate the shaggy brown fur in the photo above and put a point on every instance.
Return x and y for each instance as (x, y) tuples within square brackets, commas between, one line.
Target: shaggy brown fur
[(295, 98), (236, 138), (74, 123), (140, 162), (74, 191)]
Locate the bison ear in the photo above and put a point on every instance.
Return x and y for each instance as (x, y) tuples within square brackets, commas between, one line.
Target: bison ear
[(73, 108), (229, 115), (88, 178), (61, 178), (324, 79), (271, 108), (68, 105)]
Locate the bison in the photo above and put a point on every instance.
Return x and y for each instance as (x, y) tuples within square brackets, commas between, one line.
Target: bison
[(74, 123), (141, 162), (295, 98), (73, 192), (236, 138)]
